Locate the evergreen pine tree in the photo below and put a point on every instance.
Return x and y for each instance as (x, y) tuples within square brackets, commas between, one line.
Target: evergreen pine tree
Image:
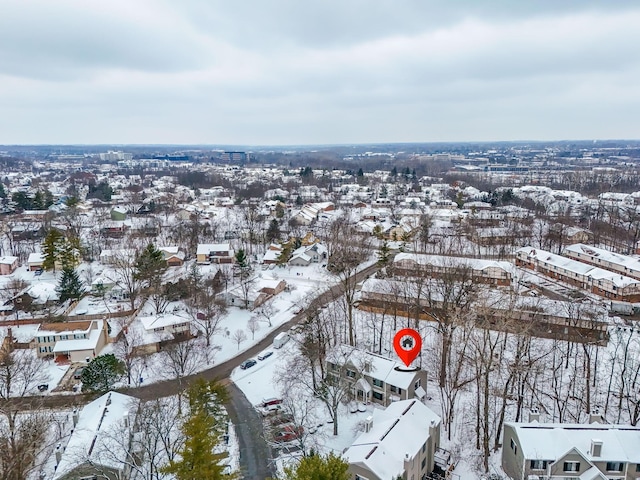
[(384, 254), (202, 430), (50, 249), (150, 266), (273, 232), (241, 259), (102, 373), (70, 286), (318, 467)]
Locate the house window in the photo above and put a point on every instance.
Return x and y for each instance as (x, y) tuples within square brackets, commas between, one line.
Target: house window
[(638, 467), (614, 466), (378, 396), (378, 383), (351, 374), (424, 462), (424, 447), (417, 384), (514, 447), (571, 467), (538, 464)]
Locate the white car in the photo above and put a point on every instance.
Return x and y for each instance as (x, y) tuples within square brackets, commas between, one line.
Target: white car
[(264, 355)]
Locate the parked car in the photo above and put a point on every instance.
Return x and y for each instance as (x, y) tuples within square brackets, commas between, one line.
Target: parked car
[(271, 401), (38, 272), (288, 433), (264, 355), (43, 387), (248, 364), (78, 373)]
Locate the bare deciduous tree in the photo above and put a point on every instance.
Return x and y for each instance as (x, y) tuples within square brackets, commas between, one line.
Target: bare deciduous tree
[(238, 336)]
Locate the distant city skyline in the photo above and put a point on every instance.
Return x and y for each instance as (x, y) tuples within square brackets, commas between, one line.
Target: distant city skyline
[(335, 72)]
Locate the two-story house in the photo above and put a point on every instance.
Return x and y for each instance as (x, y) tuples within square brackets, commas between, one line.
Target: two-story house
[(73, 341), (571, 451), (208, 253), (398, 442), (375, 378)]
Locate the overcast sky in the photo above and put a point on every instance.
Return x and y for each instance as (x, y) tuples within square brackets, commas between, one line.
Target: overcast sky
[(292, 72)]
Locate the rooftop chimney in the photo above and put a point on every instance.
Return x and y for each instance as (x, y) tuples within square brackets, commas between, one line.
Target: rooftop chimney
[(368, 424), (596, 417), (596, 448), (534, 415)]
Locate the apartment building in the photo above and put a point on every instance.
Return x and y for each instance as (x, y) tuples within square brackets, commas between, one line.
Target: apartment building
[(482, 271), (598, 257), (398, 442), (375, 378), (536, 451), (605, 283)]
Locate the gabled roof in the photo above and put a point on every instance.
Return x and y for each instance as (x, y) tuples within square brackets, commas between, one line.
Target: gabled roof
[(402, 428), (540, 441), (91, 437)]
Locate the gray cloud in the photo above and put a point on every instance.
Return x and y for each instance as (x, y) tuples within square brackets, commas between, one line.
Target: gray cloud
[(200, 71)]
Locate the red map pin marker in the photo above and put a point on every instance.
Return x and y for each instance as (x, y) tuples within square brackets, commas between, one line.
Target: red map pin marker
[(407, 343)]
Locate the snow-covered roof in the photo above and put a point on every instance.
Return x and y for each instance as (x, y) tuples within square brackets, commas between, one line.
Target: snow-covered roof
[(36, 257), (596, 253), (577, 267), (81, 344), (402, 428), (442, 261), (8, 260), (162, 321), (541, 441), (90, 437), (41, 292), (375, 366), (207, 248)]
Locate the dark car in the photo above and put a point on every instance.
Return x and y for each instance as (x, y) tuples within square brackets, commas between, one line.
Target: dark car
[(43, 387), (248, 364), (38, 272), (264, 355), (78, 373)]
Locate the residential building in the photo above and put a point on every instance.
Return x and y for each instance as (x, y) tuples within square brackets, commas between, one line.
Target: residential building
[(605, 283), (599, 257), (483, 271), (93, 451), (166, 323), (173, 256), (73, 341), (375, 378), (541, 317), (306, 255), (400, 441), (118, 213), (571, 451), (214, 253), (35, 261), (8, 264)]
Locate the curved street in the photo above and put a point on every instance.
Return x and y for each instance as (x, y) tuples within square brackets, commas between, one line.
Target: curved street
[(255, 455)]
